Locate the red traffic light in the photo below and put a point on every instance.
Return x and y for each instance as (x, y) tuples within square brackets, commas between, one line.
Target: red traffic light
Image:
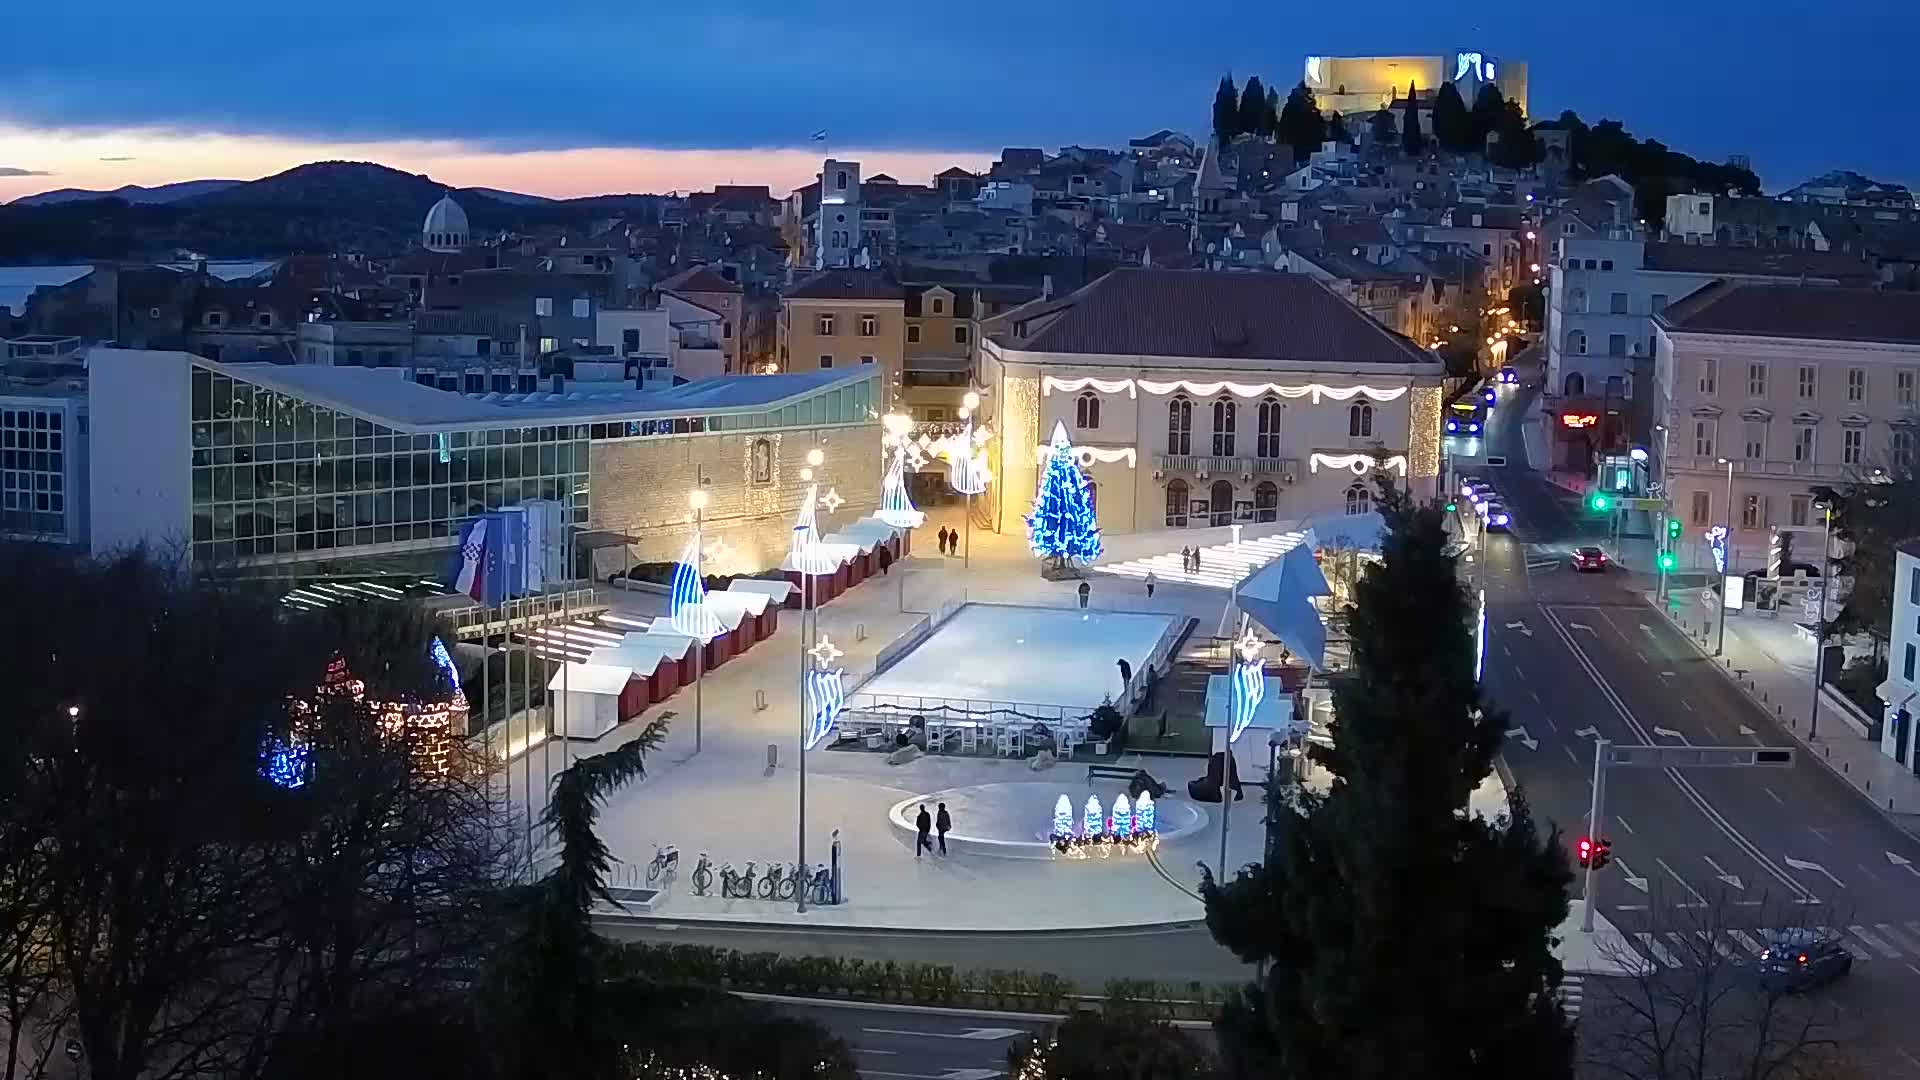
[(1602, 853), (1583, 851)]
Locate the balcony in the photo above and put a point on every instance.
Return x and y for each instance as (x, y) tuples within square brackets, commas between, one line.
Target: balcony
[(1762, 469), (1225, 466)]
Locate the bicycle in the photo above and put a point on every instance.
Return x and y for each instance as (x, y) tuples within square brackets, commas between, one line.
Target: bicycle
[(703, 876), (820, 889), (666, 862), (791, 885), (737, 886), (774, 881)]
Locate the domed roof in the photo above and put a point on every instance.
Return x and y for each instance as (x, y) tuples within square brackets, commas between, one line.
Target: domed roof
[(446, 217)]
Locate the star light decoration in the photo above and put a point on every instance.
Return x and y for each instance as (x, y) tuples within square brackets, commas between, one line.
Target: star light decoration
[(832, 500), (825, 691)]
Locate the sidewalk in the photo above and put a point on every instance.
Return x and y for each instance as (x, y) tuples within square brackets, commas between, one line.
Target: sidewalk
[(1773, 663)]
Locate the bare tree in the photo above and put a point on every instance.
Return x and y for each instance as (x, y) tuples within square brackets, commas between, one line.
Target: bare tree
[(1693, 1005)]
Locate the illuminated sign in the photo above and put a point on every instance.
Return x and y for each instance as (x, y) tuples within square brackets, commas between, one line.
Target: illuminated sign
[(1579, 420)]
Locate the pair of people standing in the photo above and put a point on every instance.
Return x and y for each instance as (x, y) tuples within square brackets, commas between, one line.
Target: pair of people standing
[(949, 541), (926, 824), (1189, 560)]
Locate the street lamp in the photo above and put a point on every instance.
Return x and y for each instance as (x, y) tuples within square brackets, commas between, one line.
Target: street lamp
[(697, 501), (1720, 635), (1820, 621), (804, 542)]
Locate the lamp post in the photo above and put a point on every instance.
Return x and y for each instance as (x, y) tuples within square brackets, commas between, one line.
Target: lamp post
[(967, 405), (1720, 635), (802, 541), (697, 499), (1820, 624)]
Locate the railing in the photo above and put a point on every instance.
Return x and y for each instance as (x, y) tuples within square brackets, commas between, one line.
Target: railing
[(1196, 463), (477, 619), (1751, 467)]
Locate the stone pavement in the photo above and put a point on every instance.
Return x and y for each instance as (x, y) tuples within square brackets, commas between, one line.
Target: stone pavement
[(1770, 660)]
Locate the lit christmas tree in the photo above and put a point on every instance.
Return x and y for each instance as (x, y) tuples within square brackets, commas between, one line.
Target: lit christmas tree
[(1062, 526)]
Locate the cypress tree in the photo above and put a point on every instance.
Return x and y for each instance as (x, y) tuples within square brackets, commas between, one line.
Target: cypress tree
[(1488, 107), (1226, 111), (1410, 139), (1301, 125), (1402, 936), (1253, 109), (1452, 128)]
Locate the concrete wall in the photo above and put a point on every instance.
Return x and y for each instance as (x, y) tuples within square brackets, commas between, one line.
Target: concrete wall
[(140, 408)]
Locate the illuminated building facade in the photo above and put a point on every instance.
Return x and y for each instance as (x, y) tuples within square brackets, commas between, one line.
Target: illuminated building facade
[(1362, 85)]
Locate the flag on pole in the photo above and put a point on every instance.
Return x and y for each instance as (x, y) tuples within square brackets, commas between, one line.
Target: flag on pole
[(818, 136), (1248, 689), (471, 576)]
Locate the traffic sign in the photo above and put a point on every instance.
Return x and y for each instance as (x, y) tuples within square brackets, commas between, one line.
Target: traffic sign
[(1642, 504)]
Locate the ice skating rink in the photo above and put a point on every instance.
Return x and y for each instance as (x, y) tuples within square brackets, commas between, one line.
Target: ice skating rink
[(1033, 656)]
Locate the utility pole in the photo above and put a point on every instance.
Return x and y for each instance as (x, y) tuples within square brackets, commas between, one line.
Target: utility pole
[(1593, 827), (1820, 625)]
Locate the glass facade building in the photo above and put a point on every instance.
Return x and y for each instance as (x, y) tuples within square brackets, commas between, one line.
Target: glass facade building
[(277, 477), (33, 471)]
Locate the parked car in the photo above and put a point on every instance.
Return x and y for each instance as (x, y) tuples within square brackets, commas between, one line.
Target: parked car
[(1799, 959), (1589, 560), (1494, 513)]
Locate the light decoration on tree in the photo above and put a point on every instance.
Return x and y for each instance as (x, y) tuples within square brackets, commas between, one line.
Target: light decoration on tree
[(431, 728), (826, 693), (896, 508), (1120, 824), (1062, 525), (1062, 834), (1248, 685), (286, 762)]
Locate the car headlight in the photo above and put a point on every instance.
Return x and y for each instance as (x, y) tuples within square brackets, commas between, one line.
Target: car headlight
[(1499, 519), (1473, 427)]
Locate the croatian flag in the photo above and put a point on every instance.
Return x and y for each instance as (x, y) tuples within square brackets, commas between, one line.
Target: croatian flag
[(471, 578)]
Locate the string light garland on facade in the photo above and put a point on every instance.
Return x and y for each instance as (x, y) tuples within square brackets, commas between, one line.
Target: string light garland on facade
[(1315, 391), (1087, 455), (1358, 464)]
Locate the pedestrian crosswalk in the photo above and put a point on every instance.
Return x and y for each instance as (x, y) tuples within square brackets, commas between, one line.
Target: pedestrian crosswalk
[(1547, 556), (1884, 941), (1573, 995)]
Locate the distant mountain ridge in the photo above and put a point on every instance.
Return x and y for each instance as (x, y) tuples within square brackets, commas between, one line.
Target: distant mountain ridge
[(130, 193)]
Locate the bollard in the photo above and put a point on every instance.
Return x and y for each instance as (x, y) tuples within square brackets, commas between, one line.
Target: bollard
[(860, 631), (759, 701), (1869, 788), (773, 755)]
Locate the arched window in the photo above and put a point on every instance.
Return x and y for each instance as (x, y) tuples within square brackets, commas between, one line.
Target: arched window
[(1267, 445), (1359, 500), (1226, 416), (1360, 421), (1177, 504), (1266, 501), (1086, 411), (1180, 426), (1220, 503), (1576, 384)]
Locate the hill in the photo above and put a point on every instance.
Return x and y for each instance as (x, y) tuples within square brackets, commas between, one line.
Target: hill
[(130, 193)]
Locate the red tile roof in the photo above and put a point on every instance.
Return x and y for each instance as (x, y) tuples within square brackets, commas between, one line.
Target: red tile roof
[(1806, 312), (847, 285), (698, 279), (1204, 313)]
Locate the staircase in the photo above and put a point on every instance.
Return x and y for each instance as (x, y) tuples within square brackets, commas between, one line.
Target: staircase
[(1222, 566)]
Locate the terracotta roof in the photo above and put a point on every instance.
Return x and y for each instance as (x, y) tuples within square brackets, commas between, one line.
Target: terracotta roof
[(1808, 312), (954, 172), (847, 285), (1775, 262), (1201, 313), (698, 279)]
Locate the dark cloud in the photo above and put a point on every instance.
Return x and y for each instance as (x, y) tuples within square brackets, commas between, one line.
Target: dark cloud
[(882, 74), (8, 170)]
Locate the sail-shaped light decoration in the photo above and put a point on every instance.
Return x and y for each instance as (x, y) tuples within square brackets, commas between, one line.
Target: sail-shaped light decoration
[(896, 508), (808, 555), (687, 607), (825, 697), (1248, 686), (966, 464)]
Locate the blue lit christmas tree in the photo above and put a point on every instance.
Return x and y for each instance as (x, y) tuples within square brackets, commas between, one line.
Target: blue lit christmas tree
[(1062, 526)]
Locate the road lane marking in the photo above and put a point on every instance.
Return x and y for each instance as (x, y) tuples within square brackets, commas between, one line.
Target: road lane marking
[(1747, 941), (1531, 692), (1858, 952), (1879, 946), (887, 1053), (1802, 864), (1892, 933), (1575, 758), (1506, 652), (1551, 726), (1522, 672), (1642, 656), (1871, 876), (1685, 705), (1691, 891), (1652, 947), (1773, 796), (1623, 824), (1706, 808)]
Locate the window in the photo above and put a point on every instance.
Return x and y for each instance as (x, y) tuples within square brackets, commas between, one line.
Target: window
[(1606, 264), (1658, 304), (1913, 586), (1359, 500), (543, 305), (1756, 380), (1906, 666), (1707, 373), (1267, 442), (1266, 501), (1616, 344), (840, 180), (1803, 443), (1177, 504), (1574, 384), (1703, 433), (1856, 384), (869, 325), (1797, 508), (582, 308), (1226, 416), (1617, 304), (1567, 229), (866, 359), (1852, 446), (265, 318), (726, 330), (1750, 511), (826, 360), (761, 458), (1756, 440), (960, 335), (823, 325), (216, 318), (1577, 342), (630, 340), (939, 306), (1220, 503), (548, 345), (913, 334), (1903, 383), (356, 358), (1901, 446), (1809, 381), (1179, 426), (1702, 507), (1086, 412), (1360, 421)]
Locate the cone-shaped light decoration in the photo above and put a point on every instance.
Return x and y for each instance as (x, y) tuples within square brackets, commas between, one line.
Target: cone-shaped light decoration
[(1122, 818), (1143, 814), (687, 603), (808, 558), (896, 509)]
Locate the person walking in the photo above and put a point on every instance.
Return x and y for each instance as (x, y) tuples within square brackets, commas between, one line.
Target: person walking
[(1186, 558), (943, 539), (1085, 591), (1151, 582), (1196, 558), (945, 824), (924, 824)]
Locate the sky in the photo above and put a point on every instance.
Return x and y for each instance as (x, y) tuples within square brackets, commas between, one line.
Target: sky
[(563, 98)]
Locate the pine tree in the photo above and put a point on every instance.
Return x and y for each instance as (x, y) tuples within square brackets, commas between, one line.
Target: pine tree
[(1253, 109), (1337, 129), (1226, 112), (1273, 110), (1382, 125), (1516, 146), (1410, 139), (1301, 126), (1402, 936), (1062, 526), (1452, 128)]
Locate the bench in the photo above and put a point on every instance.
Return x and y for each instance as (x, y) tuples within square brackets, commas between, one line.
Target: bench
[(1110, 772)]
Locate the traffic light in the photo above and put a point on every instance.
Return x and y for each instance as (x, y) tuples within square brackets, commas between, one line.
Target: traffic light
[(1668, 563), (1452, 506), (1673, 528), (1583, 851), (1602, 853), (1599, 501)]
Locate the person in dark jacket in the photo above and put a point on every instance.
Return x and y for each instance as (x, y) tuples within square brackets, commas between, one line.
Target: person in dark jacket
[(944, 823), (924, 824)]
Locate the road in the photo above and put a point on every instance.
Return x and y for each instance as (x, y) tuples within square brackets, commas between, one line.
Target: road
[(1576, 657), (920, 1044)]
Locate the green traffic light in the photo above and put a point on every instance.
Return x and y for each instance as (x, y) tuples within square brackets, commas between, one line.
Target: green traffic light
[(1451, 507), (1673, 528), (1600, 501), (1668, 562)]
